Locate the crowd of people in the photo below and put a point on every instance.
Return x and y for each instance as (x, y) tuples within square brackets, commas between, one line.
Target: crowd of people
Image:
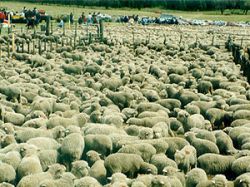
[(32, 17), (90, 18)]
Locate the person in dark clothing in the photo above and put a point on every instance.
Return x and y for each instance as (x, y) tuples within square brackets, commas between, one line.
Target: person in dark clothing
[(71, 18), (37, 18)]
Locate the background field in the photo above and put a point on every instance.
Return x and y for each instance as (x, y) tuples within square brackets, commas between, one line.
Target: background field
[(153, 12)]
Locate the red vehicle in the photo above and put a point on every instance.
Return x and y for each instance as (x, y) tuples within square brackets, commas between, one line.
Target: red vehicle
[(2, 16), (42, 14)]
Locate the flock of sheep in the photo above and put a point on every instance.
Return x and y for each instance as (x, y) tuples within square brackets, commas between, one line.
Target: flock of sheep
[(131, 112)]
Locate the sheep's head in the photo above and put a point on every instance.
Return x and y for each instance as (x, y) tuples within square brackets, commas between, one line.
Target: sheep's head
[(92, 157), (7, 128), (148, 168), (56, 170), (169, 170), (27, 149), (219, 180), (80, 168)]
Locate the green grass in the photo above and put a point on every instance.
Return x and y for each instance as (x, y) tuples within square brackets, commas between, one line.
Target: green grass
[(153, 12)]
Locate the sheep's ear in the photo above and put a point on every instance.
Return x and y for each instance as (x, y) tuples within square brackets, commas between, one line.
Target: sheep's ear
[(241, 180), (164, 171), (177, 150), (162, 182), (213, 181), (109, 178)]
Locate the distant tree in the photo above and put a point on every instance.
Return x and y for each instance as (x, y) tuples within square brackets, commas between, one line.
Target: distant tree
[(221, 5), (246, 6)]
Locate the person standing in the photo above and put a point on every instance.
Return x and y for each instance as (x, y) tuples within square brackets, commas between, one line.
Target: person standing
[(71, 18)]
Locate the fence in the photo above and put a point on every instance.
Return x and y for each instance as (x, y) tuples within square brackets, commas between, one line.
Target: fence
[(75, 36), (47, 41), (241, 56), (209, 36)]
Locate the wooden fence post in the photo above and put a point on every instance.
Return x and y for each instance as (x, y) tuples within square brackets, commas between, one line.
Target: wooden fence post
[(148, 39), (133, 39), (34, 30), (75, 28), (51, 27), (79, 41), (33, 43), (165, 39), (74, 42), (241, 41), (47, 25), (213, 40), (45, 46), (90, 38), (70, 41), (18, 47), (101, 30), (13, 42), (9, 26), (51, 47), (28, 47), (0, 51), (8, 46), (39, 47), (22, 46), (63, 29), (196, 40)]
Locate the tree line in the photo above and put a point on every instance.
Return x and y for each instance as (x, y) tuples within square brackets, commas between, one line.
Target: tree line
[(191, 5)]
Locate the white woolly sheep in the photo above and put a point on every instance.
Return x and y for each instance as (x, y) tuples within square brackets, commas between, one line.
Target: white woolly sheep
[(195, 176), (44, 143), (202, 146), (86, 182), (224, 143), (125, 163), (80, 168), (242, 180), (54, 172), (161, 161), (71, 148), (240, 165), (99, 142), (216, 164), (7, 173), (145, 150), (186, 158)]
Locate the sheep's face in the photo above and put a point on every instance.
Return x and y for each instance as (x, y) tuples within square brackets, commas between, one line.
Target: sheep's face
[(93, 156), (244, 183), (157, 183), (219, 181), (208, 125), (182, 116), (80, 169), (179, 157), (146, 134), (57, 170), (157, 132), (169, 170), (27, 150)]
